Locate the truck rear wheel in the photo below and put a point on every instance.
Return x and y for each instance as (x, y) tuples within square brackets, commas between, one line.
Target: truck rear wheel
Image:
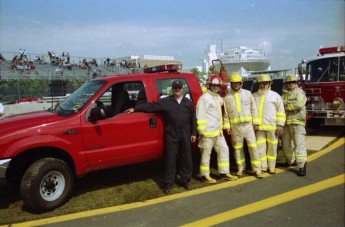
[(314, 123), (47, 184)]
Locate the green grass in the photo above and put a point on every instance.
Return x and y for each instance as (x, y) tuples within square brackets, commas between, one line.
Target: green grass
[(97, 190)]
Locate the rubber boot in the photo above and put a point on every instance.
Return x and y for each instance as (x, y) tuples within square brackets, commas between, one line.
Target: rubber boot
[(302, 171), (259, 175), (228, 176), (271, 170), (209, 179), (239, 173)]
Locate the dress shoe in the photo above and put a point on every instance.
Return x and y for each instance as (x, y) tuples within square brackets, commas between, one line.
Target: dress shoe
[(208, 179), (302, 171), (228, 176), (167, 189), (187, 186)]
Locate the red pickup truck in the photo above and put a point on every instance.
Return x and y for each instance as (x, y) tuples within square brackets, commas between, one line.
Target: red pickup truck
[(44, 151)]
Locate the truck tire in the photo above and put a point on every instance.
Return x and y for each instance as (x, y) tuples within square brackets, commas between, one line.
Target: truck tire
[(314, 123), (46, 184)]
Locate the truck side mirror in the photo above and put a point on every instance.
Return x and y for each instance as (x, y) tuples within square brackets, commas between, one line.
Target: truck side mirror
[(96, 114)]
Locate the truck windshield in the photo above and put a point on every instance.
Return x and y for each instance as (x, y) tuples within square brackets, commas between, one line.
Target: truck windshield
[(326, 70), (79, 98)]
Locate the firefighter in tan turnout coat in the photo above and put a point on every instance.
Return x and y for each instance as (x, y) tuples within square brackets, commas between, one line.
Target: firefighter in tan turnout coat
[(240, 120), (210, 128), (271, 122), (294, 100)]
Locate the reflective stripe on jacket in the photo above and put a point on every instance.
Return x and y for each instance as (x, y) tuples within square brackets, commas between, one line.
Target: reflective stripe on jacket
[(294, 104), (209, 114), (240, 107), (270, 108)]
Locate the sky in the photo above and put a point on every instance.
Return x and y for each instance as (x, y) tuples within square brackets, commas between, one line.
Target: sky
[(288, 30)]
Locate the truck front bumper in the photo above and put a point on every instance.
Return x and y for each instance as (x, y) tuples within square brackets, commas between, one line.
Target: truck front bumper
[(3, 167)]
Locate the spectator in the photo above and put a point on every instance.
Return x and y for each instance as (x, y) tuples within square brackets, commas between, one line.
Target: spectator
[(21, 53), (2, 58), (31, 66), (68, 58), (24, 54), (94, 62)]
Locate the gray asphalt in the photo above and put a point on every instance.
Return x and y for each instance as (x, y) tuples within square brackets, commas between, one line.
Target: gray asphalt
[(324, 208)]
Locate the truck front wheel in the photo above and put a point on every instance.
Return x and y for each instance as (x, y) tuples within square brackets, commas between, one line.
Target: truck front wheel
[(47, 184)]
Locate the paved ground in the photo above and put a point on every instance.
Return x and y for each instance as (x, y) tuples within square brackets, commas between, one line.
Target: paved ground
[(317, 139), (314, 200)]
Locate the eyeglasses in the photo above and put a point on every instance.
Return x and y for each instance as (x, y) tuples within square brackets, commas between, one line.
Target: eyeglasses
[(177, 88), (291, 82)]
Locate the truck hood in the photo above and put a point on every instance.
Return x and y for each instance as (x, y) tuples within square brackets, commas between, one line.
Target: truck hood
[(17, 123)]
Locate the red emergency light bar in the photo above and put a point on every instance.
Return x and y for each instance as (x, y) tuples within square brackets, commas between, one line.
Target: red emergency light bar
[(330, 50), (163, 68)]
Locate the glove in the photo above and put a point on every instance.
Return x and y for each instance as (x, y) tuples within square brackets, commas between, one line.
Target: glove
[(279, 131)]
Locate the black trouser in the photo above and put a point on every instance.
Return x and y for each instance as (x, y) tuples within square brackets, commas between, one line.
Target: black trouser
[(180, 149)]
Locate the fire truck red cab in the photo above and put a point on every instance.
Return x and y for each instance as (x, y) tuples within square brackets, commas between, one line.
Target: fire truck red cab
[(324, 81)]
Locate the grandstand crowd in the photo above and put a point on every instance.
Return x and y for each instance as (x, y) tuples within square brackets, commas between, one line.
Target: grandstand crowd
[(53, 66)]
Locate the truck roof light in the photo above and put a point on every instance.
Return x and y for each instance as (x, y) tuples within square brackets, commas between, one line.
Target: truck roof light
[(329, 50), (163, 68)]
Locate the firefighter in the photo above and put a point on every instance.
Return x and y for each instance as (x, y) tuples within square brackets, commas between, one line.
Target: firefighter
[(210, 127), (204, 89), (180, 132), (240, 121), (271, 122), (294, 100)]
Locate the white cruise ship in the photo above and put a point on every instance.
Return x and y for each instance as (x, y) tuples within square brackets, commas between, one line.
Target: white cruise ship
[(240, 59)]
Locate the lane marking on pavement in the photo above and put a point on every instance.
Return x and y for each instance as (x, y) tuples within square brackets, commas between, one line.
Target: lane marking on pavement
[(269, 202), (101, 211)]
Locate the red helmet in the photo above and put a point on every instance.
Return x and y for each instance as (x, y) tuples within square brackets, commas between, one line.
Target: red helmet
[(215, 79)]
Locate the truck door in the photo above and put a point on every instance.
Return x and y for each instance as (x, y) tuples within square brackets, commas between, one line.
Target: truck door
[(123, 138)]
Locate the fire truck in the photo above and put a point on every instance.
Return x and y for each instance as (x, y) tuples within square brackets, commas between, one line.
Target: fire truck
[(323, 78)]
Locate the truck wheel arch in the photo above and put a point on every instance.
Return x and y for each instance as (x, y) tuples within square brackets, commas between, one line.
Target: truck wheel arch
[(22, 161)]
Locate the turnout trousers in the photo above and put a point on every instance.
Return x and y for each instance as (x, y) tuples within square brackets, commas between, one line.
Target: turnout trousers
[(218, 143), (294, 135), (239, 133), (267, 143)]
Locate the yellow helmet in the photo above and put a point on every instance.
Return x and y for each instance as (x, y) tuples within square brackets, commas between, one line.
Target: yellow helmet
[(235, 77), (264, 78), (204, 89), (290, 77)]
